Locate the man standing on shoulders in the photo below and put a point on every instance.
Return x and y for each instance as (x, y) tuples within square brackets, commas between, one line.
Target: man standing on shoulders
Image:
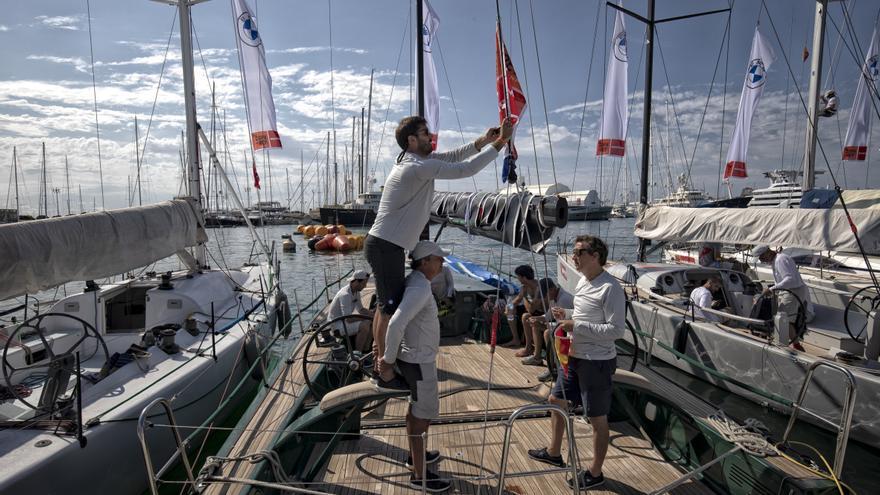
[(405, 206), (412, 342), (786, 276), (348, 302), (597, 321)]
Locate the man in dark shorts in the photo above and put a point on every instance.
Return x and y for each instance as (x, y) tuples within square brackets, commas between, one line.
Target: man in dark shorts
[(597, 321), (405, 206), (413, 342)]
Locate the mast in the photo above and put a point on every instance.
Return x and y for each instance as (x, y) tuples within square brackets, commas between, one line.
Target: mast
[(809, 180), (67, 180), (420, 60), (137, 158), (366, 167), (15, 178), (44, 193), (192, 138), (302, 199), (327, 173), (82, 209), (287, 177), (361, 157)]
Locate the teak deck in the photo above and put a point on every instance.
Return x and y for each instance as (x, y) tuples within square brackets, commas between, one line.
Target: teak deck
[(374, 462)]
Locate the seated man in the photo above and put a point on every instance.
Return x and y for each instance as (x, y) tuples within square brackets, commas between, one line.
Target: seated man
[(553, 295), (443, 287), (701, 297), (560, 298), (523, 306), (348, 302)]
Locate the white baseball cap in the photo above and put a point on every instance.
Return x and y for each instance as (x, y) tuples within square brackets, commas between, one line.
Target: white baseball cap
[(359, 275), (759, 250), (424, 249)]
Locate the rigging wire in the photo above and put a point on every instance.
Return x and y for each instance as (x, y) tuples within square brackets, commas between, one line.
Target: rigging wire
[(586, 93), (95, 101), (724, 103), (543, 99), (391, 94)]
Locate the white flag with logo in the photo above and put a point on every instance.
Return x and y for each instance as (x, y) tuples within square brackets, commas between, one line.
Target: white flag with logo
[(430, 24), (858, 132), (756, 75), (612, 139), (256, 78)]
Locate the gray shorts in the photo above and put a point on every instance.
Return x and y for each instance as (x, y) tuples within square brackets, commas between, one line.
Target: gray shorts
[(424, 402)]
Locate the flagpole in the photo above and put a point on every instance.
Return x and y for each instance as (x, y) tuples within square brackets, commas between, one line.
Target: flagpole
[(503, 53), (420, 59)]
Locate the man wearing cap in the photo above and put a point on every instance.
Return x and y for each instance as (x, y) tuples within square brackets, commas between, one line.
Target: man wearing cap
[(786, 276), (406, 203), (348, 302), (412, 342)]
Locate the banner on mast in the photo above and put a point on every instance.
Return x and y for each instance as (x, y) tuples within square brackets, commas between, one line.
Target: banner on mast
[(760, 59), (430, 24), (256, 79), (511, 100), (858, 132), (612, 139)]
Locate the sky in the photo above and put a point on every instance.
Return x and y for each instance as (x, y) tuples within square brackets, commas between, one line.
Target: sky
[(559, 49)]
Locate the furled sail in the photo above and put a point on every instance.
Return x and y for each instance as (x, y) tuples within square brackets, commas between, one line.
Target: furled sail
[(41, 254), (522, 220), (813, 229)]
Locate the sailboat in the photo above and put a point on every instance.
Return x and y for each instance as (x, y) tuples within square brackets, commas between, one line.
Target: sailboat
[(152, 348), (833, 383)]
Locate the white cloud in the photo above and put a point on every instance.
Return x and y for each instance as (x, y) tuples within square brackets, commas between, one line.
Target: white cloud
[(70, 23), (316, 49), (4, 28), (78, 63)]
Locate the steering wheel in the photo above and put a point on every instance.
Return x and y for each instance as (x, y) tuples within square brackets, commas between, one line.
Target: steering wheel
[(59, 365), (800, 321), (864, 301), (343, 363)]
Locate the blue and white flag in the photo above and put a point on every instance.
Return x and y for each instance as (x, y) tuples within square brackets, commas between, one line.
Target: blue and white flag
[(256, 79), (756, 75)]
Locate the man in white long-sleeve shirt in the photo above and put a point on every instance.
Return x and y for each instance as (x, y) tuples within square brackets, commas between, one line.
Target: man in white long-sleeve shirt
[(412, 342), (597, 321), (348, 302), (406, 203), (786, 276)]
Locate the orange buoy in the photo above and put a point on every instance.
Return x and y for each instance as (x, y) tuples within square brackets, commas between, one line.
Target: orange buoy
[(326, 243), (321, 230), (343, 230), (341, 243), (300, 228), (309, 231)]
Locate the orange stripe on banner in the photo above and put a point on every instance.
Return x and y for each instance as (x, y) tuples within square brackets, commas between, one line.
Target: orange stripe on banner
[(265, 139), (735, 169), (858, 153), (613, 147)]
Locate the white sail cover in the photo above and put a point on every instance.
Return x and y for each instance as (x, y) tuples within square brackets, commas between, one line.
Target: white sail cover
[(430, 25), (41, 254), (813, 229), (256, 79), (760, 59), (858, 132), (612, 139)]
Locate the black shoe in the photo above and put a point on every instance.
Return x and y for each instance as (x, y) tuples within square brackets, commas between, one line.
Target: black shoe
[(431, 456), (541, 455), (433, 483), (396, 383), (546, 376), (587, 481)]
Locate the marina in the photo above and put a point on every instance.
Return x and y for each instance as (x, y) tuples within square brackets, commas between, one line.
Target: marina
[(455, 291)]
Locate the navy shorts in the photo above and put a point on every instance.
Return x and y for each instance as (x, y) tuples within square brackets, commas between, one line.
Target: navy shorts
[(588, 383), (387, 261)]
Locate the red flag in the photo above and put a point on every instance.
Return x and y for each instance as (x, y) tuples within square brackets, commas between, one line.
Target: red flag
[(514, 96), (256, 175), (805, 55)]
